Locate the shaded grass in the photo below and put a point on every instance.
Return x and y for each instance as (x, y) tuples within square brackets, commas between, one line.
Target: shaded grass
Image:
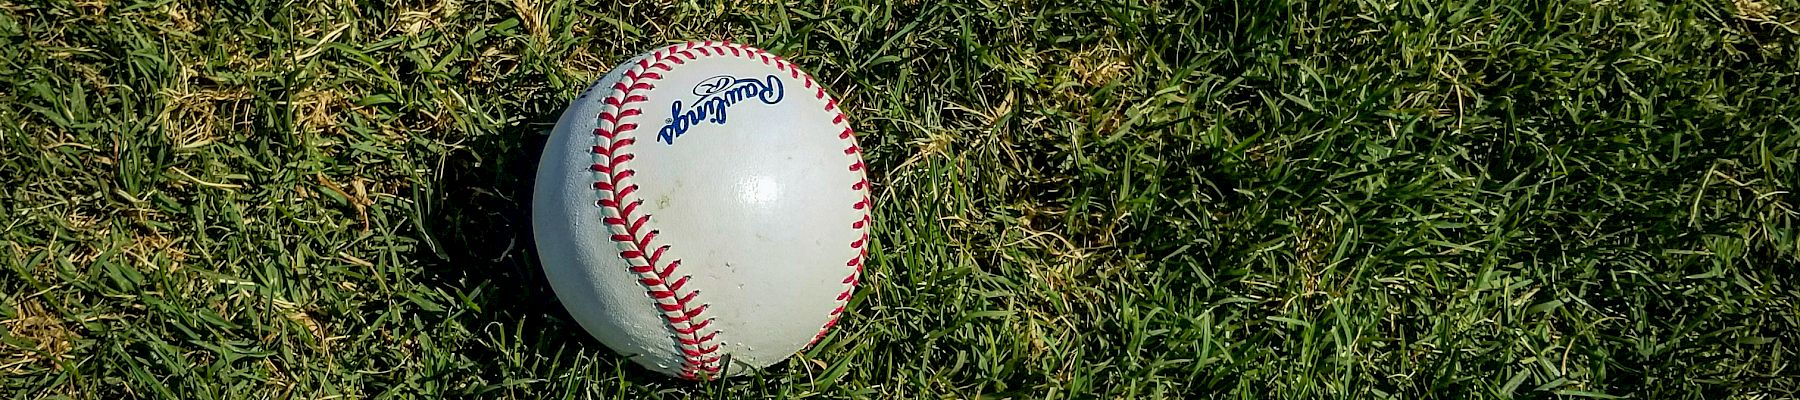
[(1076, 199)]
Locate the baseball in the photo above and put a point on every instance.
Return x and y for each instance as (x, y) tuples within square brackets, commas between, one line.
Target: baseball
[(703, 210)]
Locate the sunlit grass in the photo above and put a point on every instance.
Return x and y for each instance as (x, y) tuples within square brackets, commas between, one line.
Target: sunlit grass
[(1075, 199)]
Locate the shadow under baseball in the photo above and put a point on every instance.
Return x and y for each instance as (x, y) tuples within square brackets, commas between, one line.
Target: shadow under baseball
[(480, 249)]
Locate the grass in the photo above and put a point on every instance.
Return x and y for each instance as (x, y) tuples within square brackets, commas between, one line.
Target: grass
[(1076, 199)]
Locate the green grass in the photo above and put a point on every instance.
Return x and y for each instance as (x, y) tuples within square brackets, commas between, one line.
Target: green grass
[(1076, 199)]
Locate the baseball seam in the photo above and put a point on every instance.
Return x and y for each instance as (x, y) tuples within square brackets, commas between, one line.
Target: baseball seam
[(631, 231)]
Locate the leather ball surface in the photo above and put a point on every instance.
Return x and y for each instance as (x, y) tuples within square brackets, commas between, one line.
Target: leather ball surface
[(703, 210)]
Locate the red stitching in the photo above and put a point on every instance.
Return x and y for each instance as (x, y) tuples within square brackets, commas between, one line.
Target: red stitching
[(863, 222), (683, 313), (661, 284)]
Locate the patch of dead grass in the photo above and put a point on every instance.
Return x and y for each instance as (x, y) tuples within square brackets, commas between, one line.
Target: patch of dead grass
[(49, 338), (1096, 66)]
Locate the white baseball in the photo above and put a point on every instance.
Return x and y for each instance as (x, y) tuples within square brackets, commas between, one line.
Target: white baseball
[(703, 210)]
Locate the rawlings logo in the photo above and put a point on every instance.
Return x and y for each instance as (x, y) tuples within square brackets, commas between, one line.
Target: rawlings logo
[(717, 94)]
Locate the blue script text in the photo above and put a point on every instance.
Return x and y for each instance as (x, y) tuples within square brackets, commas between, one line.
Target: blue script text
[(717, 94)]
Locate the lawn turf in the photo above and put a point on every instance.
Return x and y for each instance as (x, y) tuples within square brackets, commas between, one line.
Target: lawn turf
[(1075, 199)]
